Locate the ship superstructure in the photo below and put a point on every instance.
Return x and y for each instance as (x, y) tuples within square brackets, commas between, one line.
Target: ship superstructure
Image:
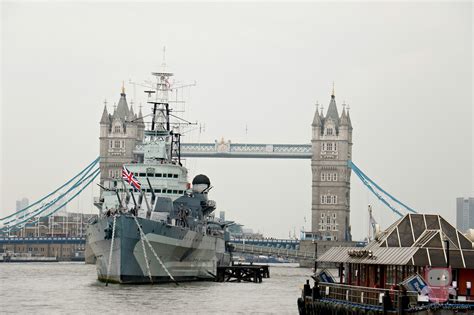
[(154, 226)]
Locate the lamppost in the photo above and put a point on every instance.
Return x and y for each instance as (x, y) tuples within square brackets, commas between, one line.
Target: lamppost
[(315, 254), (446, 240)]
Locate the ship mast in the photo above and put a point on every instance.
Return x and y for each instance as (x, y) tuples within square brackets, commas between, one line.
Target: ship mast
[(161, 126)]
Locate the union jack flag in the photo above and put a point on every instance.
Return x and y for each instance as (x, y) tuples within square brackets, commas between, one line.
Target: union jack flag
[(129, 178)]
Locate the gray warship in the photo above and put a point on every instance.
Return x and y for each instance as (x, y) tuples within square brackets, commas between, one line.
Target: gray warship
[(154, 226)]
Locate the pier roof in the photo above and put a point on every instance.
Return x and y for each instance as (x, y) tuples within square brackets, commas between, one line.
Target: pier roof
[(415, 239), (379, 255)]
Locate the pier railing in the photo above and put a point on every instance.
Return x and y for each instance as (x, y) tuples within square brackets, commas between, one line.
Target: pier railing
[(362, 295)]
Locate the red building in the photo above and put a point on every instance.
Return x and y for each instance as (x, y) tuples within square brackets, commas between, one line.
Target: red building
[(412, 244)]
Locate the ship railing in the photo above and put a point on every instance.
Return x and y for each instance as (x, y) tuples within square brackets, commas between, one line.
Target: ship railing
[(363, 295)]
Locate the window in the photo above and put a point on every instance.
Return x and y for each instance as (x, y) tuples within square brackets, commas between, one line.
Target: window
[(116, 144), (175, 175), (142, 174), (329, 131), (175, 191), (111, 144), (322, 215), (150, 175), (158, 175), (170, 175), (117, 129), (114, 173), (323, 177), (328, 199), (329, 146), (334, 216), (334, 177)]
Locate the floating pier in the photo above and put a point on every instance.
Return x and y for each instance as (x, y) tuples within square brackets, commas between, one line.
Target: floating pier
[(243, 273), (332, 298)]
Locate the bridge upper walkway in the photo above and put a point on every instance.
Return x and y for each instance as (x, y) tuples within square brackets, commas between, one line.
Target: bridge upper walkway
[(242, 150)]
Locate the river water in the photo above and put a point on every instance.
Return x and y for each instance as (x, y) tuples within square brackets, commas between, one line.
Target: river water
[(72, 288)]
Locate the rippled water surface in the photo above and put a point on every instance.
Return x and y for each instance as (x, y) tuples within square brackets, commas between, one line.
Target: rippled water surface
[(73, 288)]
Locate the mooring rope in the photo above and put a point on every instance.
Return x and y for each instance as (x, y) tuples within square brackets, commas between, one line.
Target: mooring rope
[(144, 250), (152, 250), (111, 250)]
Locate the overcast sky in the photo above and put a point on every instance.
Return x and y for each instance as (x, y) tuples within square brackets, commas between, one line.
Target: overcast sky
[(404, 69)]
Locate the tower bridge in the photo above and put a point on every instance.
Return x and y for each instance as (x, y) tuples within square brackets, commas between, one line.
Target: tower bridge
[(330, 151), (122, 132)]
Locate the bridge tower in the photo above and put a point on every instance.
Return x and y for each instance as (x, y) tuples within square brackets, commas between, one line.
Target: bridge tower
[(119, 133), (332, 148)]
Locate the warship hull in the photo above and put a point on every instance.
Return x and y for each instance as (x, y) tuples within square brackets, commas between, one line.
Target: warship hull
[(188, 255)]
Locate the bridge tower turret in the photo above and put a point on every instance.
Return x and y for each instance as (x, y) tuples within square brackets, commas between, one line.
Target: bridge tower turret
[(332, 148), (119, 133)]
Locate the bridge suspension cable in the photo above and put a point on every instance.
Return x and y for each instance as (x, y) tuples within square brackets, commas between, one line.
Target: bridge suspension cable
[(378, 191), (87, 169), (87, 176), (22, 221), (50, 203)]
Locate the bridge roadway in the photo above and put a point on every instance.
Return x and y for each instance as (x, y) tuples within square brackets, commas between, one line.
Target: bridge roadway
[(277, 243), (42, 240), (274, 251), (268, 242), (282, 244), (242, 150), (274, 247)]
